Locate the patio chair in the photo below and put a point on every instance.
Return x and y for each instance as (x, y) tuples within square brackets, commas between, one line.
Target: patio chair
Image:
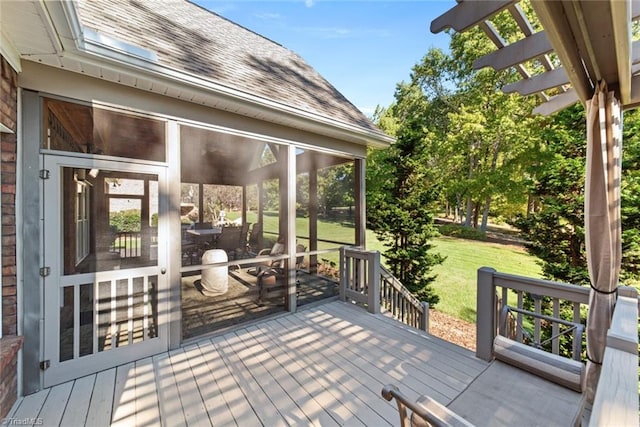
[(277, 249), (271, 280), (230, 241), (523, 385), (255, 239)]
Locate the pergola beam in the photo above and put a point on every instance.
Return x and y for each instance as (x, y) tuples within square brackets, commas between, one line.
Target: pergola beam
[(557, 103), (621, 17), (553, 18), (467, 14), (538, 83), (516, 53)]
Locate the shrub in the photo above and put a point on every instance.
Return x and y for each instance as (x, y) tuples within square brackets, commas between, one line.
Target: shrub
[(461, 232)]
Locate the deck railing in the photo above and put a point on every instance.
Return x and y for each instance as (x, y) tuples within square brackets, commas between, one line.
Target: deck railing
[(616, 398), (401, 304), (364, 281), (497, 290), (127, 244)]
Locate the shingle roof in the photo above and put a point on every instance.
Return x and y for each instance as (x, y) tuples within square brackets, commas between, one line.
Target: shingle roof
[(191, 39)]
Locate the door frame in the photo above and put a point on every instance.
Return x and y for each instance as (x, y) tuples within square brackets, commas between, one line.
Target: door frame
[(52, 257)]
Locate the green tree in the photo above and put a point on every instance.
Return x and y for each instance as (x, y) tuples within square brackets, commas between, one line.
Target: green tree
[(556, 231), (403, 201)]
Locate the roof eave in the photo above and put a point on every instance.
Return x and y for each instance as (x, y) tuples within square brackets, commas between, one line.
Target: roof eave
[(87, 50)]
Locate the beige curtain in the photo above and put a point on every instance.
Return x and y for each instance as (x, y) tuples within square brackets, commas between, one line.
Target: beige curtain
[(602, 222)]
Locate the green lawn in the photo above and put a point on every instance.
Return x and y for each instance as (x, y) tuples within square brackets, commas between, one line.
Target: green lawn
[(456, 277)]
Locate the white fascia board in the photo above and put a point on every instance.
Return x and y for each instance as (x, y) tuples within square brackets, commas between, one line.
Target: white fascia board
[(240, 102), (243, 103), (10, 53)]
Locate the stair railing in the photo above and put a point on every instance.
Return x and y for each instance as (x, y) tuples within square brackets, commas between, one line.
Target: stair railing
[(365, 281)]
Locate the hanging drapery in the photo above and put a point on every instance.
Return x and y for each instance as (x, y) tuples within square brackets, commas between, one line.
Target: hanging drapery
[(602, 222)]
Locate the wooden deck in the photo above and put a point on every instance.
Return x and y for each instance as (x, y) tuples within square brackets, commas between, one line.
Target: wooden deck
[(324, 366)]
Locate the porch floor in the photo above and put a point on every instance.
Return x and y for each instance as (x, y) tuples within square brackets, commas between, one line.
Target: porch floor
[(324, 365)]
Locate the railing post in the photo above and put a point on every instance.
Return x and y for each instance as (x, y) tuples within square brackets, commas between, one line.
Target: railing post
[(486, 319), (373, 287), (424, 322)]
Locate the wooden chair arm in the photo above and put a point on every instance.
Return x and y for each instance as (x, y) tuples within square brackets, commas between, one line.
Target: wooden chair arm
[(424, 412)]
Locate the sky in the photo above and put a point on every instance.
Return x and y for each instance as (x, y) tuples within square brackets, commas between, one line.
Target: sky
[(363, 48)]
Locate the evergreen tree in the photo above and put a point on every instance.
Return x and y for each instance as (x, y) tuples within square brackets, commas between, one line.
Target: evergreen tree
[(402, 195), (556, 230)]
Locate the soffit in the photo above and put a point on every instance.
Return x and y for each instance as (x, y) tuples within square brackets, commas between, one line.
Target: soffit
[(591, 40)]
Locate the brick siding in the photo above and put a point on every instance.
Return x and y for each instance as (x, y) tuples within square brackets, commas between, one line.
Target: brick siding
[(10, 343)]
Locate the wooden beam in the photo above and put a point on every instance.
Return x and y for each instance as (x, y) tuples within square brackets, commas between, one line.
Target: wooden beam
[(497, 40), (553, 19), (538, 83), (527, 29), (516, 53), (621, 19), (466, 14), (557, 103)]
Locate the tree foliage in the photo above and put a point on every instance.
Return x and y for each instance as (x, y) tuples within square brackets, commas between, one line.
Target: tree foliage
[(556, 230), (402, 195)]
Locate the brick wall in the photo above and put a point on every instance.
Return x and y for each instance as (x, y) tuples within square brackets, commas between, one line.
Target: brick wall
[(10, 343)]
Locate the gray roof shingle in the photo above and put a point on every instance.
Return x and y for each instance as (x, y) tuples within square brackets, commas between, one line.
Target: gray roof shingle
[(192, 39)]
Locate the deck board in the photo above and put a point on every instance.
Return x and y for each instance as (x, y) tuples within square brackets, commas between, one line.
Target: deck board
[(195, 412), (241, 370), (323, 366), (357, 382), (171, 412), (101, 405), (53, 407), (29, 407), (124, 400), (81, 399), (325, 395), (312, 409), (147, 410), (382, 363), (231, 393)]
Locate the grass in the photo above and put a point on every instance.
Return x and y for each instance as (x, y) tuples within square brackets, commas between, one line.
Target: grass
[(455, 283), (456, 277)]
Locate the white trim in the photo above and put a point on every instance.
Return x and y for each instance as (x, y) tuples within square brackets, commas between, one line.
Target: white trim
[(226, 97), (4, 129), (10, 53)]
